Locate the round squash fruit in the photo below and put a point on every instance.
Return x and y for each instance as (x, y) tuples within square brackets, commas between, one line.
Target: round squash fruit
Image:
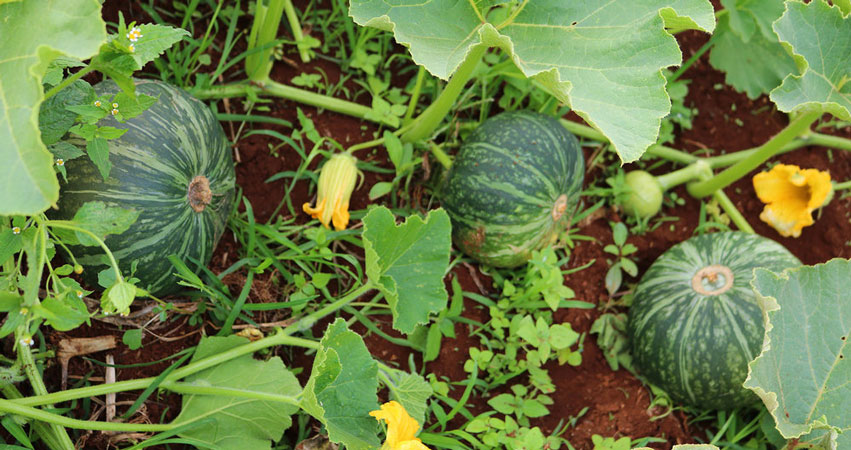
[(694, 323), (175, 167), (514, 185)]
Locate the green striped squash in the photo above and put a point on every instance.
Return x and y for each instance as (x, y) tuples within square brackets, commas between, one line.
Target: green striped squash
[(175, 167), (695, 324), (514, 185)]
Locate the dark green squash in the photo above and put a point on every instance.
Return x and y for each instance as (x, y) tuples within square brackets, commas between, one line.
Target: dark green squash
[(173, 165), (513, 186), (694, 324)]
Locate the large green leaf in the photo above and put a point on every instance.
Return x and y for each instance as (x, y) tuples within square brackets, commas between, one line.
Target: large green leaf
[(747, 49), (238, 423), (408, 261), (33, 33), (803, 374), (820, 37), (342, 389), (604, 59)]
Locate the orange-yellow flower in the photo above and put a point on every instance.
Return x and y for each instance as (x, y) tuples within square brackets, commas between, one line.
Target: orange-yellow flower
[(401, 427), (791, 195), (336, 183)]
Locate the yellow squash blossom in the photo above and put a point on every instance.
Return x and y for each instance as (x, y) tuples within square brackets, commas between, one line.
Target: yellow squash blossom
[(401, 427), (336, 183), (791, 195)]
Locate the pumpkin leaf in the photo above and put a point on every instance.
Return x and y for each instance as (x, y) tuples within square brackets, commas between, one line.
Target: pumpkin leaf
[(820, 37), (34, 33), (238, 422), (746, 48), (605, 60), (411, 390), (342, 388), (803, 374), (408, 263)]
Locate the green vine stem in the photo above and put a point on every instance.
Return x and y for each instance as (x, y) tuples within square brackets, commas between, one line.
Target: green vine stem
[(41, 429), (12, 407), (292, 18), (720, 161), (282, 337), (842, 186), (59, 436), (193, 389), (263, 30), (429, 120), (796, 127), (69, 225), (415, 96), (692, 172), (276, 89), (440, 155), (68, 81), (735, 215)]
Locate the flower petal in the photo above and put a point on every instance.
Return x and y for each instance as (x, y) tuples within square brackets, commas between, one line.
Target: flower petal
[(401, 427), (791, 194)]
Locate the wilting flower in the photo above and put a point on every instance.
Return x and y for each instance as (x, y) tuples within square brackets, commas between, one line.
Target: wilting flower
[(791, 194), (336, 183), (401, 427)]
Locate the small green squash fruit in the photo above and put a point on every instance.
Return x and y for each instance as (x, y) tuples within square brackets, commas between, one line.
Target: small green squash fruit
[(513, 187), (175, 167), (695, 324), (645, 198)]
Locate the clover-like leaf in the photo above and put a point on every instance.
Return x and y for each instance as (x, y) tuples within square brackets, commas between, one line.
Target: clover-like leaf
[(238, 422), (820, 37), (803, 374), (32, 34), (408, 262), (342, 388), (747, 49), (604, 59)]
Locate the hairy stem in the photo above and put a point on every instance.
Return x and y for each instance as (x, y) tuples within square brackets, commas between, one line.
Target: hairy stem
[(430, 119), (283, 337), (67, 82), (59, 435), (269, 87), (795, 128), (292, 18)]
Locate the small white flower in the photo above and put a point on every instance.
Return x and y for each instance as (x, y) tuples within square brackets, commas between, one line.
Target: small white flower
[(115, 106), (16, 230), (28, 341), (24, 310), (79, 294), (132, 48), (114, 111), (134, 34), (97, 103), (60, 162)]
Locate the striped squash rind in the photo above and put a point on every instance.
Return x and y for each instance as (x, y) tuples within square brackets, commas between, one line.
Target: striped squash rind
[(513, 186), (696, 346), (153, 163)]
